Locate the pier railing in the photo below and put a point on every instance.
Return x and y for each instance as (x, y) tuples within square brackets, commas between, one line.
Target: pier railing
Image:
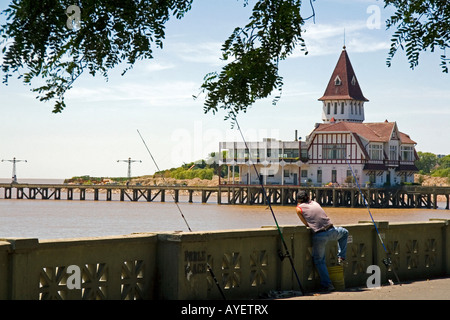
[(394, 197), (246, 263)]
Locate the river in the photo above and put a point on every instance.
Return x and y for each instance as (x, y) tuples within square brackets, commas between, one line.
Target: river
[(56, 219)]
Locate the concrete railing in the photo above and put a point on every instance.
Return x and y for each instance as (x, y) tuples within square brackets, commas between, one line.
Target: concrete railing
[(245, 263)]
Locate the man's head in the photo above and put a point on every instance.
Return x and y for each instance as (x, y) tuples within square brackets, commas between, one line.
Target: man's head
[(302, 196)]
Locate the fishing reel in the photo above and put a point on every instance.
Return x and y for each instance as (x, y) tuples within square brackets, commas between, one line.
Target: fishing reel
[(282, 255), (387, 262)]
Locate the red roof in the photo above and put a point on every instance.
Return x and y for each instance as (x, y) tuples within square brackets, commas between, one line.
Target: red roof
[(343, 84), (373, 132)]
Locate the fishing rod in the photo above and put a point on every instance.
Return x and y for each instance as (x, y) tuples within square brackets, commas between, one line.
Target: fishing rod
[(179, 209), (208, 266), (287, 254), (387, 262)]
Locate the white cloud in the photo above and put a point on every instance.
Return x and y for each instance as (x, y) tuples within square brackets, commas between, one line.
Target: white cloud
[(154, 66), (203, 52), (161, 94), (322, 39)]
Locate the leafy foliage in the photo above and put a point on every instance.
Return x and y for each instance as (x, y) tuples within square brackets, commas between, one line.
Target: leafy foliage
[(271, 35), (421, 25), (199, 169), (429, 163), (39, 46), (443, 168), (426, 162), (37, 39)]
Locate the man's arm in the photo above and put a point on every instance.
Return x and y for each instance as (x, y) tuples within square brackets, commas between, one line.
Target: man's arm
[(300, 215)]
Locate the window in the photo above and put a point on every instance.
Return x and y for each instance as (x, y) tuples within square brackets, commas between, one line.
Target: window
[(304, 173), (353, 80), (407, 153), (376, 151), (254, 154), (333, 176), (319, 176), (333, 151), (351, 104), (335, 108), (291, 153), (304, 154), (242, 153), (286, 173), (337, 81), (328, 108), (393, 153), (342, 108)]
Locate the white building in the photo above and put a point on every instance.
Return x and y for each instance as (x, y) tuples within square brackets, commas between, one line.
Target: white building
[(277, 162), (378, 153)]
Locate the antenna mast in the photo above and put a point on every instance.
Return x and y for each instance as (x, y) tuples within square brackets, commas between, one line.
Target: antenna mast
[(129, 165), (14, 160)]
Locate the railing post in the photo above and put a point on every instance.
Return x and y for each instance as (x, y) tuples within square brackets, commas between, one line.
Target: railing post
[(24, 285)]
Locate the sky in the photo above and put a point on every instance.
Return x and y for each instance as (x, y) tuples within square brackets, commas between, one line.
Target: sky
[(99, 125)]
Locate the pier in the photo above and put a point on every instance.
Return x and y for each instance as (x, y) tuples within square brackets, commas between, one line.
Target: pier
[(393, 197)]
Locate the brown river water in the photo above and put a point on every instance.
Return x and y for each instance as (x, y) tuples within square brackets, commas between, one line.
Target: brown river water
[(54, 219)]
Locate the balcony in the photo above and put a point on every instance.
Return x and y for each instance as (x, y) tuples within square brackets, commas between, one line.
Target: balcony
[(392, 163), (383, 165)]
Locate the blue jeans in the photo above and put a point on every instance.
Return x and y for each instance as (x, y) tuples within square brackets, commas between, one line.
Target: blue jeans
[(319, 242)]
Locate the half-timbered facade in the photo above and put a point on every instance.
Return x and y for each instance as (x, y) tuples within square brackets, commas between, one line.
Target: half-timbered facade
[(378, 153)]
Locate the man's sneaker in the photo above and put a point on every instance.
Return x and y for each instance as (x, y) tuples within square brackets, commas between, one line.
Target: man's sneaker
[(342, 262)]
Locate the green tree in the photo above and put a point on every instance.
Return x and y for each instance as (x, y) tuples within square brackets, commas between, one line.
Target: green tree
[(38, 37), (271, 35), (40, 43), (427, 161), (421, 25), (444, 162), (443, 168)]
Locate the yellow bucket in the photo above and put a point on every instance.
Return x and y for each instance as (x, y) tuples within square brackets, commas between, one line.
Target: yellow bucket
[(337, 277)]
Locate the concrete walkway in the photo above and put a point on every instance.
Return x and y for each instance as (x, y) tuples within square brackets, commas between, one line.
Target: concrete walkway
[(433, 289)]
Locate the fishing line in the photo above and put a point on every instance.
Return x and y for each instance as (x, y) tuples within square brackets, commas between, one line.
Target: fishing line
[(387, 262), (173, 197), (287, 254), (208, 266)]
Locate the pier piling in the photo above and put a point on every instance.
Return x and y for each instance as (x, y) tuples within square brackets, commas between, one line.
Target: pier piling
[(399, 197)]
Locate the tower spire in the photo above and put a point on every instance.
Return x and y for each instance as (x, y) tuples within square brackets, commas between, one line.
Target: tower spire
[(343, 99), (344, 40)]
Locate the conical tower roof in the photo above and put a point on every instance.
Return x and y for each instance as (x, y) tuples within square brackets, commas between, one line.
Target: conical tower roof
[(343, 84)]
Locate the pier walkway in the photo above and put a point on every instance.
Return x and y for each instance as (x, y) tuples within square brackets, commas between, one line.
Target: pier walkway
[(430, 289), (394, 197)]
